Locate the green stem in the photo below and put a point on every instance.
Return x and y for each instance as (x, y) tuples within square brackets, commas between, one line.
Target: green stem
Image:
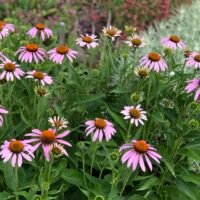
[(17, 183), (93, 157), (129, 131), (83, 165), (126, 181)]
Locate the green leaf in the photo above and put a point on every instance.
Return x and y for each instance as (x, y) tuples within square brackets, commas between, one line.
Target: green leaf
[(149, 183), (5, 195), (9, 176), (190, 178), (136, 197)]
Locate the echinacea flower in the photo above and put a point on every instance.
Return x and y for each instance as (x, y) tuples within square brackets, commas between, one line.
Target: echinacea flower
[(40, 29), (47, 138), (90, 41), (41, 91), (142, 72), (2, 111), (138, 151), (193, 60), (58, 54), (100, 128), (3, 57), (31, 53), (112, 32), (154, 61), (16, 151), (10, 70), (8, 26), (3, 31), (135, 41), (194, 84), (135, 114), (42, 77), (57, 150), (173, 42), (58, 122)]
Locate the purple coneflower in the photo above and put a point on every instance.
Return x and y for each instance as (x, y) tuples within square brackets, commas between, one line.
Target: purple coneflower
[(42, 77), (10, 70), (193, 60), (135, 41), (154, 61), (100, 128), (16, 151), (138, 151), (135, 114), (58, 122), (47, 138), (58, 54), (173, 42), (8, 26), (194, 84), (2, 111), (40, 29), (88, 41), (112, 32), (31, 53)]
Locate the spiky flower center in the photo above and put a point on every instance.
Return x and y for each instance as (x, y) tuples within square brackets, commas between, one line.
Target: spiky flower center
[(58, 123), (141, 146), (40, 26), (38, 75), (100, 123), (2, 24), (56, 150), (48, 137), (32, 47), (175, 38), (136, 41), (87, 39), (111, 32), (41, 92), (62, 49), (142, 73), (135, 113), (153, 56), (197, 58), (16, 146), (9, 67)]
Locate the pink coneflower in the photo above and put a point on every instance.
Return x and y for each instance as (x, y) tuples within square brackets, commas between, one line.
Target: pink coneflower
[(42, 77), (173, 42), (16, 151), (10, 70), (87, 40), (4, 32), (138, 151), (9, 27), (194, 84), (58, 122), (154, 61), (135, 114), (101, 128), (135, 41), (3, 57), (112, 32), (47, 138), (2, 111), (40, 29), (193, 60), (58, 54), (31, 53)]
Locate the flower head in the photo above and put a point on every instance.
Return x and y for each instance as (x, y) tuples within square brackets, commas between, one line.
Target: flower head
[(87, 40), (58, 54), (31, 53), (135, 114), (47, 138), (154, 61), (136, 152), (57, 150), (135, 41), (142, 72), (192, 85), (42, 77), (100, 128), (8, 26), (40, 29), (10, 70), (173, 42), (41, 91), (58, 122), (2, 111), (112, 32), (16, 151), (193, 60)]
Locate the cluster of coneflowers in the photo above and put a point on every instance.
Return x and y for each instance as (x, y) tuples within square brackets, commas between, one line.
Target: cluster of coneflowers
[(137, 152)]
